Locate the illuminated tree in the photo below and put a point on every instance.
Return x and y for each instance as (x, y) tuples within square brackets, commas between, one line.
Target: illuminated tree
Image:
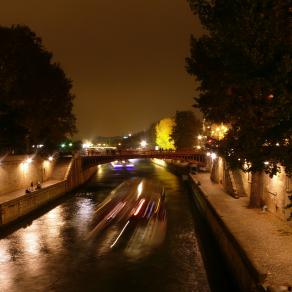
[(164, 130), (34, 88), (218, 131)]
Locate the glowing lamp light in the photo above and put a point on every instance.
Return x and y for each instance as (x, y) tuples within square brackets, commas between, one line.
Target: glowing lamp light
[(143, 144), (200, 137), (24, 165), (86, 145), (63, 145), (266, 163), (70, 144), (270, 96), (208, 154), (51, 158), (213, 155)]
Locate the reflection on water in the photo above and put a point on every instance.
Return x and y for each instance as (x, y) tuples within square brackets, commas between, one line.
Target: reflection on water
[(4, 251), (30, 240), (52, 253)]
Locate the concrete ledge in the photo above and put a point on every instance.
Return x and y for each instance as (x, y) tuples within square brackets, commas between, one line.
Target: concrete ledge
[(247, 275), (18, 204), (257, 245), (21, 206)]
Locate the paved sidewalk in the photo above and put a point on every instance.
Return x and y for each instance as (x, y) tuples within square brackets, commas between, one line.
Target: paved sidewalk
[(21, 192), (266, 239)]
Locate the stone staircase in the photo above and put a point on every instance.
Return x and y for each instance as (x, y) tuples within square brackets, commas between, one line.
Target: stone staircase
[(237, 183)]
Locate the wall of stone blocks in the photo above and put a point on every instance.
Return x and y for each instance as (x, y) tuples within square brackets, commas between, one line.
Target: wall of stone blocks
[(15, 174)]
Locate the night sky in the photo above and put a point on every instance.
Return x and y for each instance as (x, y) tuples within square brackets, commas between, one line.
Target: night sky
[(126, 58)]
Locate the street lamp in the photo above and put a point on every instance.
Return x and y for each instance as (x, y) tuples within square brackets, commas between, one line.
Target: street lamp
[(143, 144)]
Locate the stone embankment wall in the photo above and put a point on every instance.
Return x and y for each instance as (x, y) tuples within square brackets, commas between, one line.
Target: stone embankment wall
[(75, 176), (246, 274), (14, 209), (274, 192), (16, 173)]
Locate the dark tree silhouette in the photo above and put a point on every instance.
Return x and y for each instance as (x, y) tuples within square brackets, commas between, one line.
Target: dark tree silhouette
[(34, 91), (186, 128), (244, 65)]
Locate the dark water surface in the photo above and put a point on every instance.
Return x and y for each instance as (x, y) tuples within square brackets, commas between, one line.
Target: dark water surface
[(53, 254)]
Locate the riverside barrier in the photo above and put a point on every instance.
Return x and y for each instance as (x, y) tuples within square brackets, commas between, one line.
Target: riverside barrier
[(22, 204), (16, 208)]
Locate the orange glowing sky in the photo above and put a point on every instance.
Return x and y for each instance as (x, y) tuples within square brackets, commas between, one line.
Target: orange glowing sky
[(126, 58)]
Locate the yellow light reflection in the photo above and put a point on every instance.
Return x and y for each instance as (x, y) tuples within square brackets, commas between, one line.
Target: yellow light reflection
[(6, 278), (53, 223), (30, 240), (84, 216), (4, 251)]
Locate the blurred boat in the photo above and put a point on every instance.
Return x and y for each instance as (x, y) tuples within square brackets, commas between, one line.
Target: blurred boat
[(137, 209)]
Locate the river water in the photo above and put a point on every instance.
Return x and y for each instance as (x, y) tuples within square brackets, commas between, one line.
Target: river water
[(49, 251)]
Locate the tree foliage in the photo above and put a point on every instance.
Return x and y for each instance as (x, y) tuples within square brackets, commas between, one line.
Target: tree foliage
[(35, 98), (244, 63), (164, 130), (185, 130)]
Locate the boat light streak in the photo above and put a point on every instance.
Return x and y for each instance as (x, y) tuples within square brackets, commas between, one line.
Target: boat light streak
[(139, 207), (120, 234), (140, 189)]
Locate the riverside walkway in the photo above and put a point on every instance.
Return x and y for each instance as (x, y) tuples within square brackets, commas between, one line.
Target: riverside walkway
[(7, 197), (264, 239)]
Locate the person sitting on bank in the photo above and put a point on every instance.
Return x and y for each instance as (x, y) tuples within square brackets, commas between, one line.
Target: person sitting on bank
[(31, 187), (27, 191), (38, 185)]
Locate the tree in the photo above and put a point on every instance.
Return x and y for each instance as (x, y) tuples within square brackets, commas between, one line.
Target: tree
[(151, 135), (186, 128), (164, 130), (33, 87), (244, 65), (11, 132)]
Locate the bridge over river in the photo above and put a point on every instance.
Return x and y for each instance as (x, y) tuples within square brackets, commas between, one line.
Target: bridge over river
[(92, 158)]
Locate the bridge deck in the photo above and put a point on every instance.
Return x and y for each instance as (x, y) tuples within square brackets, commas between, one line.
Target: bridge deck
[(193, 157)]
